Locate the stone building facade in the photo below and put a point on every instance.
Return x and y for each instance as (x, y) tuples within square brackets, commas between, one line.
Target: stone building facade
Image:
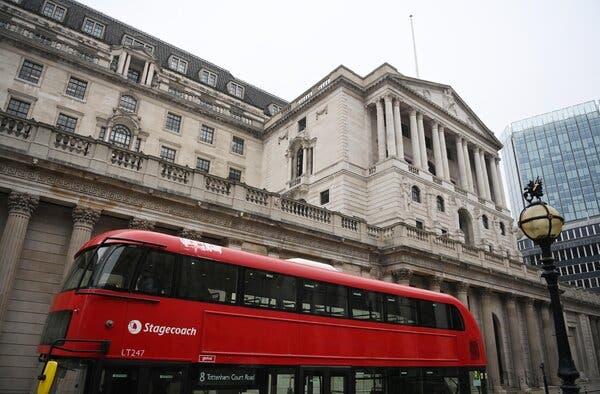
[(386, 176)]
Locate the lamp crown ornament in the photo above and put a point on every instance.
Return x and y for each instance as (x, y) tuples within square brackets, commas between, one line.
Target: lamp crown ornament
[(534, 189)]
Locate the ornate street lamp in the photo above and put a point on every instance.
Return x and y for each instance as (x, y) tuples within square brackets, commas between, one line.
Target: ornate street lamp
[(542, 224)]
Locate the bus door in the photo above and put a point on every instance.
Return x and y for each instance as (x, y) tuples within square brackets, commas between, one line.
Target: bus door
[(322, 380)]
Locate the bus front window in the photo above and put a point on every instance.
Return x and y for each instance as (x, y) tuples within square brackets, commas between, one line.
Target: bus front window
[(117, 267)]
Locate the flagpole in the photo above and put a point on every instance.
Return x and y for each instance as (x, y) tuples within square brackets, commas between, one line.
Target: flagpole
[(412, 28)]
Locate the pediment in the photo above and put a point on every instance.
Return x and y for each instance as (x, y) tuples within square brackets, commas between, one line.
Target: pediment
[(445, 97)]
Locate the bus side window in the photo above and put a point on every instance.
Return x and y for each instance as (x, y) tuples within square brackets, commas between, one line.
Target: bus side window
[(401, 310), (322, 298), (206, 280), (269, 290), (156, 274)]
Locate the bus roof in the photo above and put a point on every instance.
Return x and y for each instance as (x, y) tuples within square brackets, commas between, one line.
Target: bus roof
[(189, 247)]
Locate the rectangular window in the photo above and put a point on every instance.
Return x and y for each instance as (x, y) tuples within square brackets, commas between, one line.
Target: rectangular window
[(133, 75), (156, 275), (419, 224), (30, 71), (66, 123), (365, 305), (324, 197), (207, 134), (18, 108), (76, 88), (178, 64), (235, 175), (167, 153), (208, 77), (237, 145), (128, 40), (302, 124), (173, 122), (202, 165), (269, 290), (93, 28), (205, 280), (235, 89), (322, 298), (401, 310), (54, 11)]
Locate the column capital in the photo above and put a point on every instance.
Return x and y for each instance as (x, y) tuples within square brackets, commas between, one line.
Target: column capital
[(436, 280), (412, 112), (388, 98), (397, 101), (22, 203), (141, 224), (402, 274), (85, 216), (486, 292), (462, 287), (190, 234)]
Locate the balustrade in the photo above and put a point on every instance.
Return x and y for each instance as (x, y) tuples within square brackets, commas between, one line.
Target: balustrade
[(72, 143), (256, 196), (217, 185), (175, 172), (127, 159), (18, 127)]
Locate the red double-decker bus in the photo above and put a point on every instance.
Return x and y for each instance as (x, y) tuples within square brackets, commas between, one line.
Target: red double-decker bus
[(143, 312)]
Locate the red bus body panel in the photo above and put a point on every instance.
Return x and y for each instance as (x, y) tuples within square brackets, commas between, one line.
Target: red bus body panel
[(231, 334)]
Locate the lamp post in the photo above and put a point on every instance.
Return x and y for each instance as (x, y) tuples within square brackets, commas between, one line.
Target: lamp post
[(542, 224)]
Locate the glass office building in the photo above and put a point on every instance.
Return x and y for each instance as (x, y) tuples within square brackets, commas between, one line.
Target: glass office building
[(562, 148)]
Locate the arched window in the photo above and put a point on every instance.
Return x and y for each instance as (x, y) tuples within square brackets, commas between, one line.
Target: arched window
[(502, 229), (416, 194), (441, 205), (128, 103), (299, 162), (485, 221), (120, 136)]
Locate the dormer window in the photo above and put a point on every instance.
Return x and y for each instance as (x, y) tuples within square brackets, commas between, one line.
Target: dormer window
[(178, 64), (134, 42), (273, 109), (235, 89), (54, 11), (208, 77), (93, 28)]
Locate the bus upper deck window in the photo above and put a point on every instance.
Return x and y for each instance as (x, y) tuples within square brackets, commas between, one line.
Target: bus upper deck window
[(118, 267)]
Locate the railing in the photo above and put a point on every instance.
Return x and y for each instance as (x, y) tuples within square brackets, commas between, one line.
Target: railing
[(72, 143), (470, 250), (445, 242), (18, 127), (175, 172), (305, 210), (126, 159), (349, 223), (416, 233), (256, 196), (217, 185), (493, 257)]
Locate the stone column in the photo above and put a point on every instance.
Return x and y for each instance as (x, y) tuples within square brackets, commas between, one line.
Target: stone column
[(468, 168), (595, 325), (479, 173), (515, 343), (549, 337), (500, 186), (141, 224), (150, 75), (489, 339), (460, 156), (121, 63), (423, 147), (402, 276), (145, 73), (380, 131), (127, 62), (462, 293), (414, 139), (535, 344), (84, 219), (486, 179), (291, 165), (442, 137), (435, 283), (495, 181), (398, 130), (588, 344), (437, 150), (190, 234), (20, 209), (390, 132), (304, 160)]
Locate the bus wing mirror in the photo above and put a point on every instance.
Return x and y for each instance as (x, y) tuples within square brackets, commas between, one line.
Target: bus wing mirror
[(47, 377)]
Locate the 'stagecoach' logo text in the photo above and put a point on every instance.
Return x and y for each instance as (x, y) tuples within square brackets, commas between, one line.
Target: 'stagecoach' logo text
[(135, 327)]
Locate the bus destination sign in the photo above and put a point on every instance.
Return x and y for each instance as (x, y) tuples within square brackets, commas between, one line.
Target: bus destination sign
[(225, 377)]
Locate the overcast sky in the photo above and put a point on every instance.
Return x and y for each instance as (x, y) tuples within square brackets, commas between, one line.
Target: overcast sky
[(507, 59)]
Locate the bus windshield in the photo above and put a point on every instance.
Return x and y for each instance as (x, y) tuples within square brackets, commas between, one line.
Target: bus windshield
[(109, 267)]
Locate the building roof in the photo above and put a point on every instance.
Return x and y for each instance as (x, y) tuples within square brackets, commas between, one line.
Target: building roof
[(113, 35)]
